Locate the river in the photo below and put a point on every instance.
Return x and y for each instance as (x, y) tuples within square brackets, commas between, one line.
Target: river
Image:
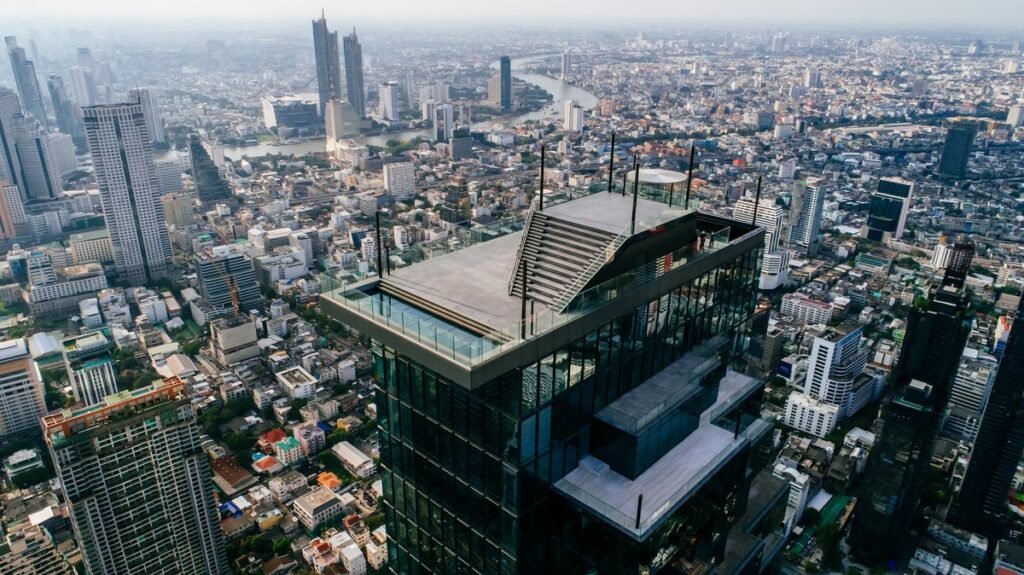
[(559, 90)]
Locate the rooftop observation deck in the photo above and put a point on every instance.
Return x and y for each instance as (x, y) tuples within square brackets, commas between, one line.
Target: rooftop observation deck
[(463, 306)]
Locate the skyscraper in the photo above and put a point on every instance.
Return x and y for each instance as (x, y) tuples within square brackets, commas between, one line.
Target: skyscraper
[(959, 139), (13, 221), (26, 81), (39, 168), (123, 158), (154, 124), (64, 110), (805, 215), (606, 434), (505, 73), (10, 114), (138, 484), (775, 265), (887, 216), (21, 390), (388, 94), (210, 185), (354, 74), (341, 121), (899, 462), (566, 71), (83, 86), (444, 118), (90, 367), (981, 504), (328, 64)]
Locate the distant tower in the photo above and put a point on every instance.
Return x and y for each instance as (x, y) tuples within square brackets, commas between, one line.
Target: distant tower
[(10, 109), (155, 125), (137, 483), (506, 84), (354, 74), (123, 159), (39, 168), (328, 65), (957, 149), (64, 110), (805, 215), (83, 86), (566, 65), (444, 118), (812, 78), (210, 185), (775, 264), (388, 108), (26, 81)]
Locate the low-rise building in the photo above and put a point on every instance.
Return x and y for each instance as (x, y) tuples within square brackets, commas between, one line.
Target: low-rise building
[(354, 460), (316, 507)]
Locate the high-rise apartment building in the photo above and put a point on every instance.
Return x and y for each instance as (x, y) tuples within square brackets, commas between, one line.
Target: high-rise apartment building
[(354, 87), (151, 111), (956, 151), (805, 215), (444, 122), (21, 390), (572, 117), (123, 158), (969, 395), (775, 265), (64, 110), (835, 370), (812, 78), (211, 187), (887, 215), (388, 105), (13, 220), (137, 484), (227, 280), (328, 63), (505, 75), (40, 169), (26, 81), (981, 504), (577, 410), (400, 180)]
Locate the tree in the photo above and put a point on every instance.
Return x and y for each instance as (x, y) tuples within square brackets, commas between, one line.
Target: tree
[(282, 547), (810, 517)]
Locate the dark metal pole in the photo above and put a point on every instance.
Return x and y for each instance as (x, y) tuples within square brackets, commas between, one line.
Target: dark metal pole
[(636, 194), (671, 191), (624, 174), (689, 177), (611, 164), (380, 247), (757, 200), (639, 508), (522, 314), (542, 156), (387, 258)]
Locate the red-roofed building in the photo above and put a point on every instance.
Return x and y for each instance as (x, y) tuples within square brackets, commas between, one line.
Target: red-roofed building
[(268, 439), (268, 464)]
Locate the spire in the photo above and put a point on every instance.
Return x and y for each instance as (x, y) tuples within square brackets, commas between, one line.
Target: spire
[(323, 15)]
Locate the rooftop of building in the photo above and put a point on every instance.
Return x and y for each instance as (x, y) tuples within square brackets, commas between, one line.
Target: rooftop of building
[(79, 342), (90, 235), (316, 499), (13, 349), (467, 306)]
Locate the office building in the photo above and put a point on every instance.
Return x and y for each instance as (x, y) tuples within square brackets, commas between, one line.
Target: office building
[(887, 215), (91, 246), (233, 339), (168, 176), (227, 280), (328, 64), (981, 504), (90, 368), (83, 86), (27, 82), (805, 216), (775, 264), (593, 436), (177, 209), (10, 120), (444, 122), (956, 151), (210, 185), (388, 108), (354, 87), (64, 110), (291, 116), (461, 145), (900, 460), (151, 112), (123, 159), (1015, 117), (566, 69), (812, 78), (21, 390), (137, 483), (437, 93), (572, 117), (40, 171), (835, 371), (400, 180), (505, 75), (340, 121)]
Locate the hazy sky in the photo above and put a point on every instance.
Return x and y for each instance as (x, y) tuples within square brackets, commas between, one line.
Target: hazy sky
[(1005, 14)]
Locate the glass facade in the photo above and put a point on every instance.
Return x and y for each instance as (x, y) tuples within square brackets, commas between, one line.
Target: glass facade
[(468, 474)]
